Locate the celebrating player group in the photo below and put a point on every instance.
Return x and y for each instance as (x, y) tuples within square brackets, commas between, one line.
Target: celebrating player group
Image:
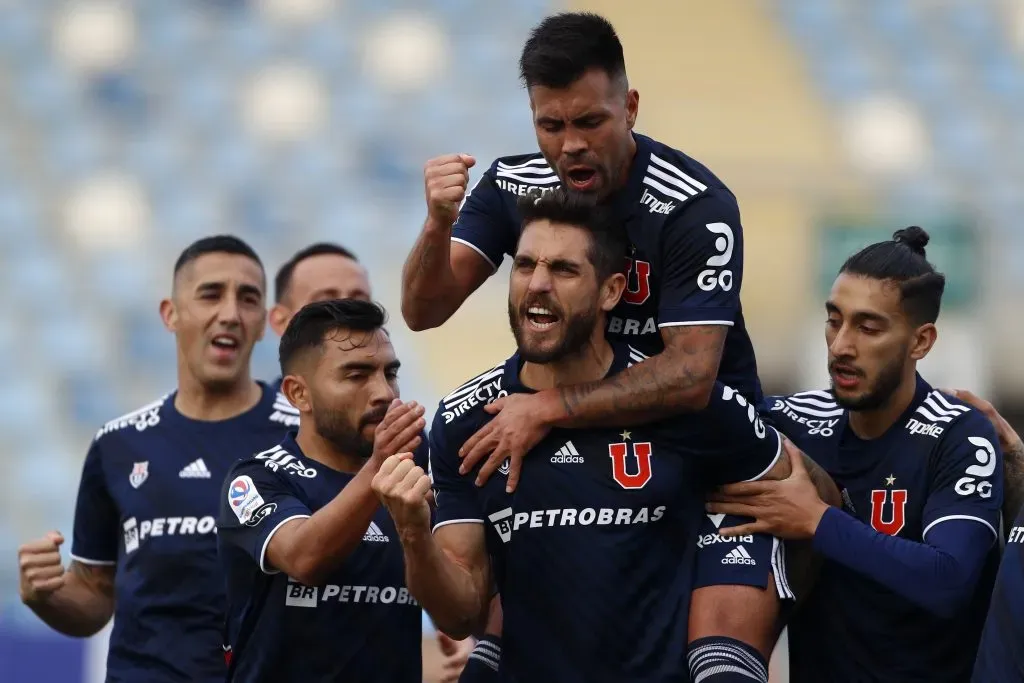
[(615, 502)]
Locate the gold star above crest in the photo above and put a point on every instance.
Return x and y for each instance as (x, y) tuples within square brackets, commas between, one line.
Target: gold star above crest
[(890, 480), (625, 435)]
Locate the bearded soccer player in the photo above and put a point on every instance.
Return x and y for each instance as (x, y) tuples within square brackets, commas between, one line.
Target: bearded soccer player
[(144, 547), (316, 585), (911, 556), (681, 307), (594, 553)]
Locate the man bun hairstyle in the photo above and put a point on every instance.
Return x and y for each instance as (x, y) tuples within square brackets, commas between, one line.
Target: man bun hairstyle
[(311, 326), (609, 241), (902, 260), (564, 46)]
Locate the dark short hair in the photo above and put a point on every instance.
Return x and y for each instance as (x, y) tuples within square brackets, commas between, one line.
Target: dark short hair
[(564, 46), (283, 279), (215, 244), (902, 261), (314, 322), (609, 241)]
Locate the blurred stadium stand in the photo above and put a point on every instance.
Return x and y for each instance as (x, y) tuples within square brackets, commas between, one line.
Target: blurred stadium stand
[(131, 128)]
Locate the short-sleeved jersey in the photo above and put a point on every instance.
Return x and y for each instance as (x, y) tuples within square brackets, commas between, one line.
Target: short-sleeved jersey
[(1000, 655), (686, 266), (147, 504), (361, 625), (940, 461), (593, 554)]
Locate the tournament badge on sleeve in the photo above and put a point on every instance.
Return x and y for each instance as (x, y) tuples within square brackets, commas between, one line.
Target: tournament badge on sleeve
[(140, 472)]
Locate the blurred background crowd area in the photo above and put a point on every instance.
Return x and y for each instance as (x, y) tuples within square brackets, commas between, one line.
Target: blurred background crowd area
[(128, 129)]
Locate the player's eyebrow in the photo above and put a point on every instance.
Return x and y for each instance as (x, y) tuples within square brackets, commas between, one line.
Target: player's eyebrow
[(857, 315), (564, 265), (367, 366)]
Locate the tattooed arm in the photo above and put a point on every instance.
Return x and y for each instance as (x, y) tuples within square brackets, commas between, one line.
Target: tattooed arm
[(679, 379)]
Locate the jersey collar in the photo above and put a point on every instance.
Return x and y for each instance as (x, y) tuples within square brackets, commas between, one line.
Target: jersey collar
[(625, 200), (256, 415), (514, 384)]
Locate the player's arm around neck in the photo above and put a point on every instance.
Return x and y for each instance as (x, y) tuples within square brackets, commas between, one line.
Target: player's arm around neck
[(679, 379), (78, 602), (448, 573), (439, 276)]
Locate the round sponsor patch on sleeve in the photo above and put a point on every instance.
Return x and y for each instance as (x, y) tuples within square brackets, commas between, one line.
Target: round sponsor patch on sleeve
[(243, 498)]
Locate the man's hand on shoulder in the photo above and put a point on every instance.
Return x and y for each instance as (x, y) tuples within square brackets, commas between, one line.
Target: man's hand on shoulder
[(519, 424)]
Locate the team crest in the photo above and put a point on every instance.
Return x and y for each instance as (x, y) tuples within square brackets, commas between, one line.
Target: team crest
[(641, 271), (880, 500), (139, 475), (624, 472)]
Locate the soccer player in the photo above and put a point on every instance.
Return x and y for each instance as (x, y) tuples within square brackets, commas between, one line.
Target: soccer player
[(909, 560), (144, 545), (681, 306), (320, 272), (315, 576), (593, 555), (999, 654)]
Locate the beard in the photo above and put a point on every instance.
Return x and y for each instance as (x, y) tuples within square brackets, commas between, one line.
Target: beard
[(577, 331), (886, 384), (339, 432)]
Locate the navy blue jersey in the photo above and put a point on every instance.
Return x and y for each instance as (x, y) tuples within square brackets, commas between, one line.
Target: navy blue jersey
[(936, 463), (594, 552), (686, 266), (147, 504), (1000, 655), (361, 626)]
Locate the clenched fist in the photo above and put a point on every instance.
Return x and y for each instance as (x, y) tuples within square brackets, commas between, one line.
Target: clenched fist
[(445, 180), (40, 568), (402, 487)]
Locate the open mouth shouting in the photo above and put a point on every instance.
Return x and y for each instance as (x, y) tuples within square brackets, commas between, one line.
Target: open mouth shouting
[(541, 318)]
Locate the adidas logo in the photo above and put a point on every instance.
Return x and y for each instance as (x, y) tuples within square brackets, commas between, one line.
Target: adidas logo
[(195, 470), (738, 555), (375, 535), (567, 453)]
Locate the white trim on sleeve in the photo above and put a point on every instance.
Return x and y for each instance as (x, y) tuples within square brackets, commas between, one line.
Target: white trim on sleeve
[(477, 250), (266, 543)]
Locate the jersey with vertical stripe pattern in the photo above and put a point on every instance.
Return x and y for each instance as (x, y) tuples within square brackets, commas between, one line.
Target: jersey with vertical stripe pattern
[(686, 265), (594, 553), (937, 463), (147, 505)]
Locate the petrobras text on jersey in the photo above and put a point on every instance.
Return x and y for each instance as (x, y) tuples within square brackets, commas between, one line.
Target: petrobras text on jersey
[(300, 595), (506, 521), (485, 393), (135, 532), (631, 326), (824, 428)]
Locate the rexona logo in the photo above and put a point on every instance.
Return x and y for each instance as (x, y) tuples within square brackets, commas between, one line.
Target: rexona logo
[(301, 595), (135, 532), (506, 521)]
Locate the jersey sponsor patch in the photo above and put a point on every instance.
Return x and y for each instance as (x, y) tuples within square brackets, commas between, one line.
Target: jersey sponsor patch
[(135, 531), (139, 474), (243, 498), (260, 514)]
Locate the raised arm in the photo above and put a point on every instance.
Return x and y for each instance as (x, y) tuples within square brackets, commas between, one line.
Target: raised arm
[(78, 602), (441, 272)]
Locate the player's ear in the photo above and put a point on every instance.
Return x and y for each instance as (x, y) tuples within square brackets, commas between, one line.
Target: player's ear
[(279, 319), (632, 107), (611, 291), (297, 392), (169, 314), (923, 341), (262, 329)]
